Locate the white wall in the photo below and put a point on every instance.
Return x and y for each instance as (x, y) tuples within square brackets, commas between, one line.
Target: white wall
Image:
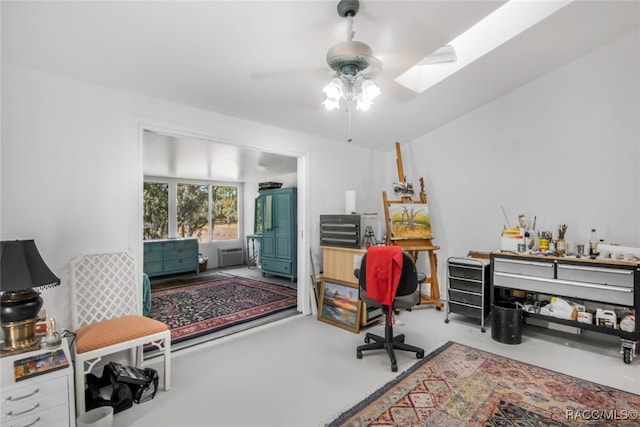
[(331, 185), (564, 148), (67, 156), (72, 167)]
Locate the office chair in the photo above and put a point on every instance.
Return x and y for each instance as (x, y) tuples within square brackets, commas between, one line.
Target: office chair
[(405, 297)]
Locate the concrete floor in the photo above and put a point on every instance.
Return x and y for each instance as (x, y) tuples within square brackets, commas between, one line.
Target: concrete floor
[(300, 372)]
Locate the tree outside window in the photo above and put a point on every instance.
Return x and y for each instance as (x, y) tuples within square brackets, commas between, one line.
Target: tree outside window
[(193, 216), (205, 211), (225, 212), (156, 210)]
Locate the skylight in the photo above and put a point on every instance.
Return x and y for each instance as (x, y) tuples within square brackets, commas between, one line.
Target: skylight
[(503, 24)]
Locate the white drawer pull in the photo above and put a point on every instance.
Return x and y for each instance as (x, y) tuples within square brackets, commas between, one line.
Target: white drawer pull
[(567, 282), (13, 399), (34, 422), (594, 269), (17, 414), (531, 263)]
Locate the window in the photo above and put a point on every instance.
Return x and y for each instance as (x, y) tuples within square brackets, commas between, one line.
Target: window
[(193, 211), (257, 216), (156, 210), (205, 211), (225, 213)]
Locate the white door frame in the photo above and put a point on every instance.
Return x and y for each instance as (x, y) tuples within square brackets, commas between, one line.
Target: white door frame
[(142, 124)]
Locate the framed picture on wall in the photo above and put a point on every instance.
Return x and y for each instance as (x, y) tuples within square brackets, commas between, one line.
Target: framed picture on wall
[(340, 304)]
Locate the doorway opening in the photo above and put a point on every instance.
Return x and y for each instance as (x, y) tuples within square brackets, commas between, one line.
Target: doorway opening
[(180, 155)]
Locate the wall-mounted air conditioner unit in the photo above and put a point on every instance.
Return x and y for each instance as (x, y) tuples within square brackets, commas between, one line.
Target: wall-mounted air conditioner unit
[(230, 256)]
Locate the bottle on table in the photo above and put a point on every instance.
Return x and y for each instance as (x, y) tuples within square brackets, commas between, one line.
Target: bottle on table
[(593, 243)]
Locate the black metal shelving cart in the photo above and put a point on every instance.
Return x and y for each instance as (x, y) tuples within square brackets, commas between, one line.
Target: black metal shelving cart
[(468, 288)]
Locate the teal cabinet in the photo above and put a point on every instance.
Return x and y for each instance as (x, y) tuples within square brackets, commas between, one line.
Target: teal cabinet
[(170, 256), (279, 245)]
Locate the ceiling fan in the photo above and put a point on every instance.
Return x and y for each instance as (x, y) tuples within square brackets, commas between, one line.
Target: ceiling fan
[(354, 65), (360, 56), (350, 56), (356, 58)]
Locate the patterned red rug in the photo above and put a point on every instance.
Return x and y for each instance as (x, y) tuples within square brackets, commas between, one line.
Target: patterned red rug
[(196, 310), (462, 386)]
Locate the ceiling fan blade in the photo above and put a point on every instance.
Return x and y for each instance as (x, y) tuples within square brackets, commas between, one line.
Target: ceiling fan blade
[(291, 73)]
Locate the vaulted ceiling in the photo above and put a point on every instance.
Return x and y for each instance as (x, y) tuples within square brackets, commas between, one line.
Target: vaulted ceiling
[(265, 60)]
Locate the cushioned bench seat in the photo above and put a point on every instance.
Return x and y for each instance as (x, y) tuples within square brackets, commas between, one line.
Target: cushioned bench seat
[(114, 331)]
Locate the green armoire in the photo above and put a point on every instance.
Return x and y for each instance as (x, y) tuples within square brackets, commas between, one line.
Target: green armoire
[(279, 243)]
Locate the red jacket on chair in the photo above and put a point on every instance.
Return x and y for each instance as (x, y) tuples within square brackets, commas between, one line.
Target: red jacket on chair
[(384, 268)]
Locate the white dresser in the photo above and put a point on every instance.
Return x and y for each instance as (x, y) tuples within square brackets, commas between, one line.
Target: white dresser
[(43, 400)]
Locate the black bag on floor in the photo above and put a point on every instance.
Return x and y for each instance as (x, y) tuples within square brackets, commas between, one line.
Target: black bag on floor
[(142, 382), (120, 395), (147, 391)]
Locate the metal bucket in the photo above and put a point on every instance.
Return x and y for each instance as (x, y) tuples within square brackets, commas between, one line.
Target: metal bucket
[(506, 322)]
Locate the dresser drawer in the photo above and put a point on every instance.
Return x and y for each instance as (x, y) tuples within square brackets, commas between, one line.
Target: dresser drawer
[(271, 265), (179, 265), (184, 244), (32, 402), (152, 256), (536, 284), (19, 393), (160, 246), (466, 272), (466, 310), (465, 297), (57, 416), (152, 267), (465, 285), (525, 268), (602, 276), (180, 253)]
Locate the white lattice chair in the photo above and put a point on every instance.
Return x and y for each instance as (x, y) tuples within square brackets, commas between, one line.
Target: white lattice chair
[(107, 316)]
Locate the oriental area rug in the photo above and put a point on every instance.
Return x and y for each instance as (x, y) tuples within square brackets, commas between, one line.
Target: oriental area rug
[(462, 386), (200, 309)]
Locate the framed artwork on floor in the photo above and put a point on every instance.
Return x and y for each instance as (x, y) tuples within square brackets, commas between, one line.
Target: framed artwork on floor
[(340, 304)]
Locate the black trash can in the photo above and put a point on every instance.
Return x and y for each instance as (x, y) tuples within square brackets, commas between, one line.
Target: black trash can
[(506, 322)]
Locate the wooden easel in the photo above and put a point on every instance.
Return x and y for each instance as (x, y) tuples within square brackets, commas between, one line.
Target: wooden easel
[(414, 246)]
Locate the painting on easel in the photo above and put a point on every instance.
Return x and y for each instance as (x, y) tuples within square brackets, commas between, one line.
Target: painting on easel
[(403, 189), (410, 221)]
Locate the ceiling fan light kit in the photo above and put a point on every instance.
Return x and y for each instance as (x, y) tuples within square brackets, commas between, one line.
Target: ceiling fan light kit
[(350, 88), (354, 64)]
